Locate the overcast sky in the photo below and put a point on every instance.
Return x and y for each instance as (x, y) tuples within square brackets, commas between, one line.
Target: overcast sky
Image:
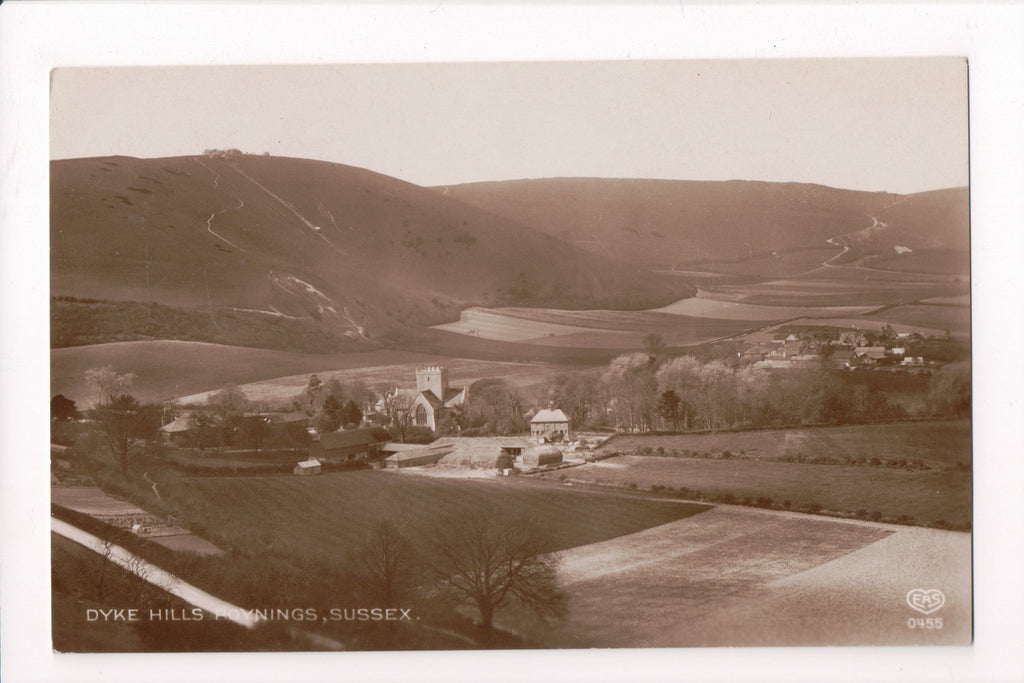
[(884, 124)]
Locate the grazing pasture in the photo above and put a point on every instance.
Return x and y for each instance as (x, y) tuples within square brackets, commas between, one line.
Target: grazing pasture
[(937, 444), (931, 497), (328, 515)]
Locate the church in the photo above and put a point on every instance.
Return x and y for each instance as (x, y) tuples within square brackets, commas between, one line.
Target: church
[(434, 396)]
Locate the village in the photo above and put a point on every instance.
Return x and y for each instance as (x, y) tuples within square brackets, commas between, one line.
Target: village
[(433, 425)]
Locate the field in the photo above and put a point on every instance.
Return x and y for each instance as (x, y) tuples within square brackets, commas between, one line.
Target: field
[(937, 444), (592, 329), (330, 513), (744, 577), (167, 369), (930, 497), (955, 319), (463, 372)]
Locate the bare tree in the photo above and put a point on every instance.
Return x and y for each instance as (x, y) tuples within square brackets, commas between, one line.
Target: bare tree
[(490, 559), (108, 383), (398, 409), (388, 562), (126, 424)]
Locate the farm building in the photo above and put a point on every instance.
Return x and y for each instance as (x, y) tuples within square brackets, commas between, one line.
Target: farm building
[(434, 396), (481, 452), (345, 445), (538, 456), (418, 456), (550, 424), (179, 429), (307, 468)]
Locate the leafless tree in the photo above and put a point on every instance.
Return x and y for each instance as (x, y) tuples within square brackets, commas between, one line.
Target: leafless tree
[(490, 559), (388, 562)]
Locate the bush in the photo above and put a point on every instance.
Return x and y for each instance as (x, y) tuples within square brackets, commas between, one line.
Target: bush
[(787, 504)]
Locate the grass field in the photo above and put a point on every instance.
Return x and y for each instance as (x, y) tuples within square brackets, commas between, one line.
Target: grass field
[(168, 369), (929, 497), (328, 515), (937, 444)]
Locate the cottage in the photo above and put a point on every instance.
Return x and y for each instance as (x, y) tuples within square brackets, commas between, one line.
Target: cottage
[(345, 445), (550, 424), (180, 429), (434, 396), (869, 355), (307, 468)]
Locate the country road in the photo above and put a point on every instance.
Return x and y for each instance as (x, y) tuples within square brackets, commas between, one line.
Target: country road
[(155, 575)]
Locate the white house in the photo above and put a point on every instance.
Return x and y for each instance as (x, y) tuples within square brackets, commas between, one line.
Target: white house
[(550, 424)]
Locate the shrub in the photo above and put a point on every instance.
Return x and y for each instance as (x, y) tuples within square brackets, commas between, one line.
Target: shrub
[(728, 499), (787, 504), (726, 454), (763, 502), (814, 508), (874, 462)]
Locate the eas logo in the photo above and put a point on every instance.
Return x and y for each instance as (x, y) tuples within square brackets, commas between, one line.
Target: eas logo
[(926, 601)]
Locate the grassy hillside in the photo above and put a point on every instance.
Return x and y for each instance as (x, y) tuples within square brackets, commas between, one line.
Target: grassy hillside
[(356, 251), (751, 229)]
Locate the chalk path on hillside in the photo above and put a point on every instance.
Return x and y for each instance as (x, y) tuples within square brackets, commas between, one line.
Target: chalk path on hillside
[(736, 576)]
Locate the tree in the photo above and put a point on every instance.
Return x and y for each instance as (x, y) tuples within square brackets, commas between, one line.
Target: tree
[(350, 414), (126, 424), (398, 409), (108, 383), (388, 563), (577, 394), (329, 418), (632, 390), (488, 559), (654, 345), (669, 408), (228, 406), (949, 392), (495, 407), (62, 408)]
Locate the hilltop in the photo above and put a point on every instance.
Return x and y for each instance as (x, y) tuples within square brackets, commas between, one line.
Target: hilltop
[(354, 252), (675, 224)]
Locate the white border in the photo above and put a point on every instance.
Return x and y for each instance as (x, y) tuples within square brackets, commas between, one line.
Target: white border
[(37, 36)]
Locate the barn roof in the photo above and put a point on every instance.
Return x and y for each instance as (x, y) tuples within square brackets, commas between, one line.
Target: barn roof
[(347, 438), (306, 464), (548, 415), (181, 424)]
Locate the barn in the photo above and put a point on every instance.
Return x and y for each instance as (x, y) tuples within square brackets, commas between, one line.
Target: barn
[(416, 457), (307, 468), (342, 446), (538, 456)]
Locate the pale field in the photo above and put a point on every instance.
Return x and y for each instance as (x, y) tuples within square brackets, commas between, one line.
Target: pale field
[(962, 300), (488, 324), (709, 305), (956, 319), (875, 323), (742, 577)]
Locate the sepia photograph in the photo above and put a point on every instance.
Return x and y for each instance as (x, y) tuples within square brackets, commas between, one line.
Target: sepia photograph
[(511, 342), (510, 355)]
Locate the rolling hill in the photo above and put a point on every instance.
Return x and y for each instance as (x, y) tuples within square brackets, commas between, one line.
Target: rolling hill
[(670, 224), (356, 252)]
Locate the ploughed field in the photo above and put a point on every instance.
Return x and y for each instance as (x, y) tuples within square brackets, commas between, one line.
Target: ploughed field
[(329, 515), (745, 577)]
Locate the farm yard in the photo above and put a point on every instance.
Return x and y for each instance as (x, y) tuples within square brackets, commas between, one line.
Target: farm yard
[(743, 577)]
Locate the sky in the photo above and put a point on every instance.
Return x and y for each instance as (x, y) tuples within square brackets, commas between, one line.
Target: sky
[(898, 125)]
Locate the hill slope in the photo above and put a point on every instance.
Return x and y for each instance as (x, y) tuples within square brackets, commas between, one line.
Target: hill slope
[(359, 252), (672, 224)]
